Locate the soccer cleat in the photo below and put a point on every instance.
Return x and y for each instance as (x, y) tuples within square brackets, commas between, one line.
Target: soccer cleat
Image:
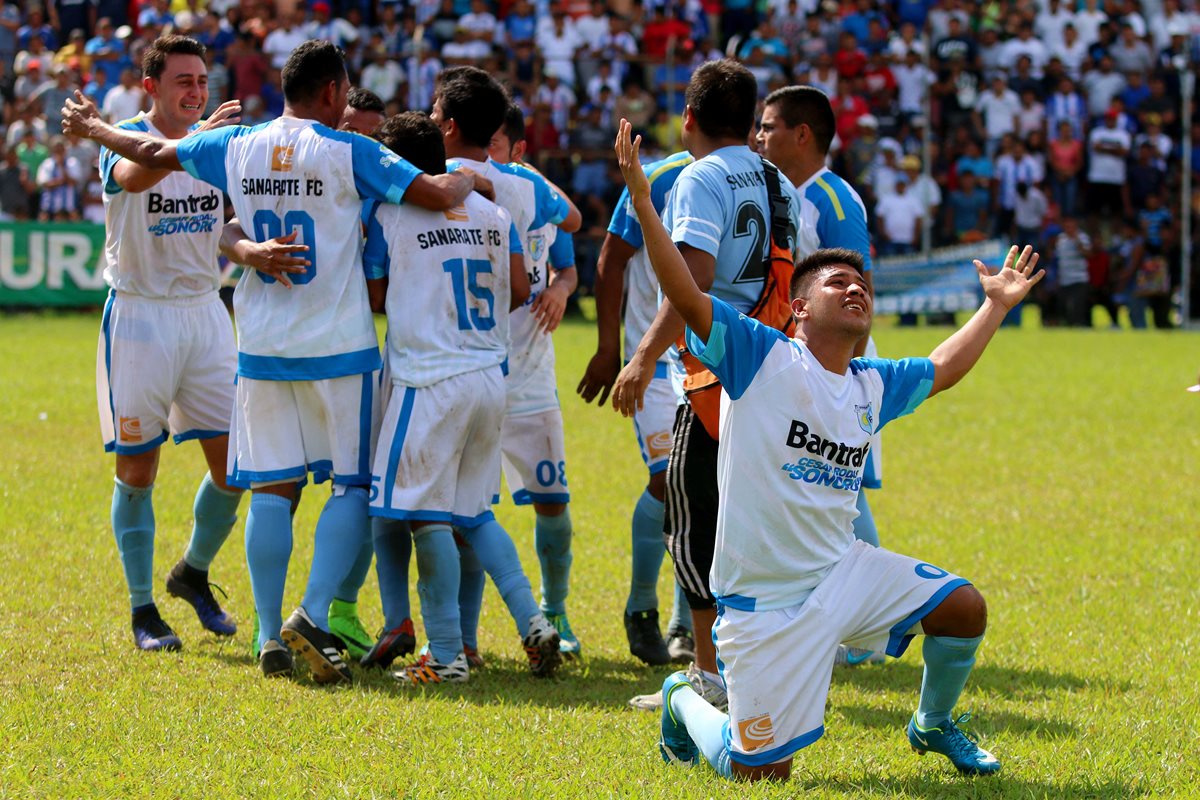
[(676, 745), (952, 742), (541, 645), (646, 702), (474, 660), (399, 641), (275, 661), (151, 633), (190, 584), (319, 648), (854, 656), (568, 643), (681, 646), (345, 624), (428, 669), (645, 640), (713, 693)]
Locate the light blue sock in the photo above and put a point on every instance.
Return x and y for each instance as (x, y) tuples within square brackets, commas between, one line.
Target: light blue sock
[(348, 591), (268, 549), (552, 538), (705, 725), (864, 523), (681, 613), (393, 548), (470, 594), (437, 586), (133, 528), (341, 529), (948, 662), (648, 552), (215, 512), (499, 558)]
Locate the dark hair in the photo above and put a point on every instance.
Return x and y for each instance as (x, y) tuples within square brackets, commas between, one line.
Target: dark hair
[(723, 95), (364, 100), (514, 124), (154, 60), (310, 68), (475, 100), (806, 105), (807, 269), (417, 139)]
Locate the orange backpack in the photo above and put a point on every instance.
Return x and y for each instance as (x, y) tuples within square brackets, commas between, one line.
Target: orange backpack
[(774, 308)]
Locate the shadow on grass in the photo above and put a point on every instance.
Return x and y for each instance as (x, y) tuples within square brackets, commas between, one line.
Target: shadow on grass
[(948, 785), (992, 678)]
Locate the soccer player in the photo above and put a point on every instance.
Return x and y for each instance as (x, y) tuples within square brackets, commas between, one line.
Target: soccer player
[(437, 458), (166, 356), (798, 416), (306, 352), (364, 112), (720, 214), (623, 257)]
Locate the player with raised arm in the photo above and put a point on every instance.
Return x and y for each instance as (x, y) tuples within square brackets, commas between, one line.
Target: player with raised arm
[(166, 357), (624, 277), (791, 580), (437, 458), (307, 352)]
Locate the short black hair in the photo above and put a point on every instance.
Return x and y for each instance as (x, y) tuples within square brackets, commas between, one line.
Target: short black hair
[(417, 139), (361, 99), (807, 269), (514, 124), (154, 60), (723, 96), (806, 105), (475, 100), (311, 67)]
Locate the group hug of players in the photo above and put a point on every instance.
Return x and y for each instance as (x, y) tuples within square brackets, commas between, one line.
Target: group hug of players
[(433, 221)]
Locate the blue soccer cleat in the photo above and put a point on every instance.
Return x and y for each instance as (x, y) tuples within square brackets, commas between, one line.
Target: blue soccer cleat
[(191, 585), (568, 642), (676, 745), (949, 740), (150, 632)]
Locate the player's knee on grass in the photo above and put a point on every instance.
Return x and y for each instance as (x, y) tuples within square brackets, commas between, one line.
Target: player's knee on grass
[(138, 470), (549, 509), (657, 486), (779, 771), (962, 614)]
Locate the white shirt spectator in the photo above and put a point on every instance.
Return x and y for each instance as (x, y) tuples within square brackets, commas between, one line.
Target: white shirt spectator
[(912, 84), (592, 30), (826, 80), (925, 188), (1106, 167), (479, 24), (1071, 56), (899, 214), (1088, 24), (336, 30), (1071, 255), (559, 50), (1038, 53), (280, 43), (1030, 210), (474, 49), (384, 79), (121, 103), (598, 81), (1049, 26), (560, 99), (1030, 119), (998, 112), (1101, 88)]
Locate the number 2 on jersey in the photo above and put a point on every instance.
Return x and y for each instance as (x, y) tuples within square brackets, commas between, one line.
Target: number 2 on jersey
[(267, 225), (749, 222), (464, 276)]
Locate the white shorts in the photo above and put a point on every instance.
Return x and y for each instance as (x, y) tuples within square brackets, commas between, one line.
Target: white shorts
[(282, 430), (535, 459), (654, 423), (164, 367), (438, 454), (777, 664)]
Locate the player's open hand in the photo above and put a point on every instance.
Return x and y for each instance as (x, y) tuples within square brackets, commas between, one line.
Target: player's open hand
[(228, 113), (599, 377), (630, 389), (276, 257), (1014, 280), (627, 148), (548, 308), (79, 114)]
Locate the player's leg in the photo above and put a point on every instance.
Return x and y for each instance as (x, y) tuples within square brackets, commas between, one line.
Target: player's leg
[(437, 586), (392, 539), (343, 610), (268, 551), (472, 580)]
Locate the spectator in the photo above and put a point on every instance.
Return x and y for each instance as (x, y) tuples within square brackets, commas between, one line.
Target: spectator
[(1030, 213), (218, 82), (1071, 249), (591, 142), (1101, 86), (53, 95), (1051, 22), (664, 30), (521, 24), (28, 85), (1108, 147), (1031, 116), (996, 114), (1135, 92), (1162, 144), (1157, 222), (923, 187), (1088, 21), (558, 97), (10, 23), (27, 123), (1066, 106), (74, 53), (634, 104), (156, 14), (604, 77), (463, 49), (36, 26), (108, 51), (125, 100), (1129, 53), (1065, 161), (899, 218), (1071, 51), (1152, 288), (98, 87), (913, 80), (57, 178), (850, 60), (967, 212), (1026, 44), (824, 76), (330, 29), (480, 24), (16, 189), (1013, 166), (383, 75), (247, 66), (291, 33)]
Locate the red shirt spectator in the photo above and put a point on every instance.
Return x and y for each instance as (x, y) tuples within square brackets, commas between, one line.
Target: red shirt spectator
[(849, 60), (849, 108), (540, 134), (248, 66), (659, 31)]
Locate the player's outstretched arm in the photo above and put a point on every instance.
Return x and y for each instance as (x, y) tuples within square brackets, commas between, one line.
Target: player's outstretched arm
[(81, 118), (955, 357), (440, 192), (276, 257), (602, 370), (133, 177)]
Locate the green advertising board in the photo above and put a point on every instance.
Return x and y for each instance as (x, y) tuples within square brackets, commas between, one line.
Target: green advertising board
[(51, 264)]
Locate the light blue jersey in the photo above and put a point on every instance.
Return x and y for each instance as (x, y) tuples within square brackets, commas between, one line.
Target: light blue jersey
[(834, 216)]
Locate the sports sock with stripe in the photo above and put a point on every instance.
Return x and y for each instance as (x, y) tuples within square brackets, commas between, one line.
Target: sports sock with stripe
[(349, 588), (133, 528), (268, 549), (470, 594), (648, 552), (948, 663), (214, 512), (393, 548), (681, 613), (706, 726), (437, 586), (499, 558), (864, 523), (552, 538), (341, 529)]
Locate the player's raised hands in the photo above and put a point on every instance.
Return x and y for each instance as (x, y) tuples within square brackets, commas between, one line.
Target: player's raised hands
[(228, 113), (79, 114), (627, 148), (1014, 280)]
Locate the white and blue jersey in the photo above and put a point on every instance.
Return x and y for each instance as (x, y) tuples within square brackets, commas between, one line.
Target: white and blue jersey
[(793, 446), (449, 288), (161, 243), (298, 175)]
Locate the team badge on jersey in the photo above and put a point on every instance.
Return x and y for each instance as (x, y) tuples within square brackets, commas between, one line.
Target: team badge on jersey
[(537, 246), (282, 158), (866, 418), (756, 732)]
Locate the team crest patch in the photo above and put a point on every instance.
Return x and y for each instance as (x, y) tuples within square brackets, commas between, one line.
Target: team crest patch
[(282, 158), (537, 246), (131, 429), (865, 417), (756, 732)]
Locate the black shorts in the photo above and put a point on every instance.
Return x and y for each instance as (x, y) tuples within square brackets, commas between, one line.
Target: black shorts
[(690, 527), (1105, 198)]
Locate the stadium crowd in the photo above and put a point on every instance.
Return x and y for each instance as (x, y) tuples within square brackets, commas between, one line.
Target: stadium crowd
[(1050, 121)]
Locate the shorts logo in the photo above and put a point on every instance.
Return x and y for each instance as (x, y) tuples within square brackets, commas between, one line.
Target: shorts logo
[(282, 158), (457, 214), (659, 444), (756, 732), (131, 429), (866, 419)]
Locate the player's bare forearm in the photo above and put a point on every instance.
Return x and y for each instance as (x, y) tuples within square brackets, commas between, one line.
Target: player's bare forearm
[(574, 220), (81, 117), (518, 281), (232, 235), (565, 280), (377, 294), (615, 253), (440, 192), (279, 257)]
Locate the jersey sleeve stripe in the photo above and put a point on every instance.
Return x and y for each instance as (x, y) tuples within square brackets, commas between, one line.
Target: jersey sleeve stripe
[(686, 220), (684, 230), (668, 166), (833, 198)]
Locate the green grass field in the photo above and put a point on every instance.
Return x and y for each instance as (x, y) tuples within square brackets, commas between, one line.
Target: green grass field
[(1061, 477)]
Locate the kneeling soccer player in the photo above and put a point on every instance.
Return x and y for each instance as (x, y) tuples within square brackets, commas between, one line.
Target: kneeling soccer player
[(797, 416)]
